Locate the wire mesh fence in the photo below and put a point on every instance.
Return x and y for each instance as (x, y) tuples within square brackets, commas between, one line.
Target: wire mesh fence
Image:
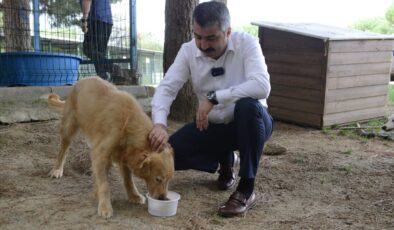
[(42, 43)]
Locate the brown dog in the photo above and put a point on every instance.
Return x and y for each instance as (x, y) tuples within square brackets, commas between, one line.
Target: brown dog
[(117, 131)]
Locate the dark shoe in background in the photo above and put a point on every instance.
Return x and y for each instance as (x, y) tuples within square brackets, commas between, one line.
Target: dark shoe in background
[(237, 204), (226, 179)]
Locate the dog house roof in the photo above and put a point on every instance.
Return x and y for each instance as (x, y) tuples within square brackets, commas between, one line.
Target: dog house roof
[(324, 32)]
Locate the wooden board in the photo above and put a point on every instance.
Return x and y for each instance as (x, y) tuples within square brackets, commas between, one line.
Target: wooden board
[(359, 57), (355, 104), (297, 81), (295, 104), (360, 46), (352, 116), (303, 118), (297, 93), (357, 81), (289, 42), (306, 70), (354, 93), (358, 69), (285, 56)]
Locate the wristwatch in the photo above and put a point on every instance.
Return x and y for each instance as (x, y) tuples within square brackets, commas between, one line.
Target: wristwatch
[(211, 96)]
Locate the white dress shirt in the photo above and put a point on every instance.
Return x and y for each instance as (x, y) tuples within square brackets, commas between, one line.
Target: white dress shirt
[(246, 75)]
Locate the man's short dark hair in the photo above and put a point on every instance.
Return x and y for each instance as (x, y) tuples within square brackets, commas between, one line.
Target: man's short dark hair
[(212, 13)]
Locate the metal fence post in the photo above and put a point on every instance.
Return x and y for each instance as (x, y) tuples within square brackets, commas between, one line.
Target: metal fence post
[(133, 37), (36, 13)]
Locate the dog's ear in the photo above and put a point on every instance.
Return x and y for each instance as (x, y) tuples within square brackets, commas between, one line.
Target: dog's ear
[(168, 149), (137, 158), (144, 160)]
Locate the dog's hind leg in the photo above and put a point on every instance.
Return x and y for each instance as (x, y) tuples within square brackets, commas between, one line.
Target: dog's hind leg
[(67, 131), (101, 164), (132, 192)]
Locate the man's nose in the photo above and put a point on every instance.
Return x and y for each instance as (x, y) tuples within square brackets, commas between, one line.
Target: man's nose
[(204, 44)]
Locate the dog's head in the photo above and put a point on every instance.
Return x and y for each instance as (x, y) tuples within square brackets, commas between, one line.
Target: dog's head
[(389, 125), (157, 169)]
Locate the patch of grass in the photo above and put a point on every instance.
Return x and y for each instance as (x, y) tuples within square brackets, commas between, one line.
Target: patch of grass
[(370, 129), (390, 94), (347, 152), (346, 168)]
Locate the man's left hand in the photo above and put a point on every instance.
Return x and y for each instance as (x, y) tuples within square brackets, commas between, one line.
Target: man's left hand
[(204, 108)]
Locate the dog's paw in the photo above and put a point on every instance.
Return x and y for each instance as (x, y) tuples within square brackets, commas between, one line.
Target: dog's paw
[(137, 199), (56, 173), (105, 210)]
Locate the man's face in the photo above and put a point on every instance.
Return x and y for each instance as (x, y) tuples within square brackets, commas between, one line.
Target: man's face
[(212, 41)]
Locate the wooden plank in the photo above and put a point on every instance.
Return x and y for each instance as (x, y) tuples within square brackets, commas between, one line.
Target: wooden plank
[(359, 57), (355, 104), (358, 69), (295, 104), (285, 56), (297, 117), (357, 92), (282, 40), (298, 81), (307, 70), (357, 81), (353, 116), (360, 46), (297, 93)]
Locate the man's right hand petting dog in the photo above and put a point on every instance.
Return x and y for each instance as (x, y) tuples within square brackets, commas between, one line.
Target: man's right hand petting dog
[(117, 129)]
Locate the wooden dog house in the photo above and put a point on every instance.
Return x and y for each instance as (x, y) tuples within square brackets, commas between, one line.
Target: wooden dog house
[(323, 75)]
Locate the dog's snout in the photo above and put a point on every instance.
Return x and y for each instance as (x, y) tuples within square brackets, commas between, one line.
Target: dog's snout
[(384, 127), (163, 197)]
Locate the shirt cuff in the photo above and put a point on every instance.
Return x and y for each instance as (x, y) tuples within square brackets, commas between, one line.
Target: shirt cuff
[(224, 96), (160, 117)]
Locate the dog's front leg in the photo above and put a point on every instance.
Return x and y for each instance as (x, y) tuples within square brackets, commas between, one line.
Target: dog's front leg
[(101, 165), (132, 192)]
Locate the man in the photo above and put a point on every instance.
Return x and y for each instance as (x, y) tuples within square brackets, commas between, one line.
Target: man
[(97, 23), (230, 79)]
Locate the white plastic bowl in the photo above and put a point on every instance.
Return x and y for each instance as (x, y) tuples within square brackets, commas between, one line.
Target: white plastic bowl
[(163, 207)]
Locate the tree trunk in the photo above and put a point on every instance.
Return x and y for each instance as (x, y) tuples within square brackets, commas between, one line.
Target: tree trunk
[(178, 29), (16, 25)]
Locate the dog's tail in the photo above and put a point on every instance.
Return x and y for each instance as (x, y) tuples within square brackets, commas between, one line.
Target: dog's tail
[(55, 103)]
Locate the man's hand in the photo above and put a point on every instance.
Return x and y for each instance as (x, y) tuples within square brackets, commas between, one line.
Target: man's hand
[(158, 137), (204, 108), (84, 25)]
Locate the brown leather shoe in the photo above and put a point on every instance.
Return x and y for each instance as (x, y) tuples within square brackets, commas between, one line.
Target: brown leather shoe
[(226, 179), (237, 204)]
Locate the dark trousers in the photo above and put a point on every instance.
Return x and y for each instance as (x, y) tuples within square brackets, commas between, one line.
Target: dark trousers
[(204, 150), (95, 45)]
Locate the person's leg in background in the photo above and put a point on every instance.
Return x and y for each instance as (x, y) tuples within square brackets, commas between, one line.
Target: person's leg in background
[(95, 46)]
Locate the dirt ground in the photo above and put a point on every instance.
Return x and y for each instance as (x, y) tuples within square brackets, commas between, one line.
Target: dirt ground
[(323, 181)]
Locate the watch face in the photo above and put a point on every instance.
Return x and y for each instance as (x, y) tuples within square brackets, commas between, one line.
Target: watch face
[(210, 95)]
